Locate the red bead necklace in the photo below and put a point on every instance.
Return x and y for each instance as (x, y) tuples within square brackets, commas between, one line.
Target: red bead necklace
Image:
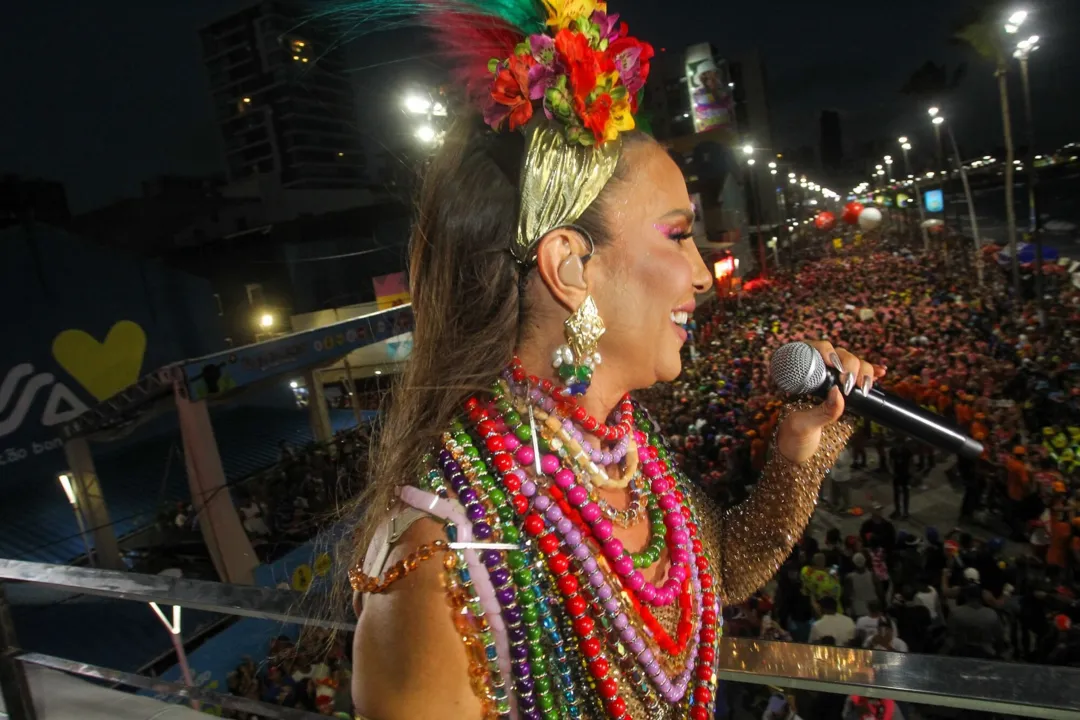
[(567, 407), (685, 627)]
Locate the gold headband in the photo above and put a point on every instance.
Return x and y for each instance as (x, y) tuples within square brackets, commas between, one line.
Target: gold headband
[(559, 181)]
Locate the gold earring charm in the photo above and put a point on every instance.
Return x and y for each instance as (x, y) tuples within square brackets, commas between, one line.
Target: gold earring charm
[(578, 358)]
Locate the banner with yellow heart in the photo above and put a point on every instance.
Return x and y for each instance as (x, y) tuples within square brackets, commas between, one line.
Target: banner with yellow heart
[(103, 368)]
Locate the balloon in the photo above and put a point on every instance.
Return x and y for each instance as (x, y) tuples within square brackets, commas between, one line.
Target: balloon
[(851, 212), (869, 218), (825, 220)]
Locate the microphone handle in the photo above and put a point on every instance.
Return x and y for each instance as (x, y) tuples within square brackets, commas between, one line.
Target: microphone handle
[(904, 417)]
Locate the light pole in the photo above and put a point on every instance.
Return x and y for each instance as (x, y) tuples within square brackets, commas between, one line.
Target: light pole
[(906, 147), (936, 119), (748, 150), (1024, 48), (967, 197)]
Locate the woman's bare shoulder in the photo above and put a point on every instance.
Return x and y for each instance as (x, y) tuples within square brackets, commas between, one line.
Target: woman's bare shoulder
[(408, 658)]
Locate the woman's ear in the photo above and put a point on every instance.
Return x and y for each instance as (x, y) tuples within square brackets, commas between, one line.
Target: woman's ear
[(560, 262)]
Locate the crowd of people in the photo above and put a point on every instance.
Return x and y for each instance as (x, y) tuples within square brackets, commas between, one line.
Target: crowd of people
[(962, 351), (315, 677), (283, 505), (970, 354)]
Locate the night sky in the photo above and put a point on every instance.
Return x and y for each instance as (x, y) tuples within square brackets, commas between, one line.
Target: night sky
[(102, 95)]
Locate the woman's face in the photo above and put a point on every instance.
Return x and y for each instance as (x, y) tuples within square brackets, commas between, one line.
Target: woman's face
[(646, 279)]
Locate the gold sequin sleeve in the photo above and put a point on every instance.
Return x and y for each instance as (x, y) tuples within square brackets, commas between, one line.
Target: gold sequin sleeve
[(757, 535)]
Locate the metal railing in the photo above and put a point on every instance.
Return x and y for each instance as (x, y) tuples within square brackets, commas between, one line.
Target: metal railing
[(1035, 691)]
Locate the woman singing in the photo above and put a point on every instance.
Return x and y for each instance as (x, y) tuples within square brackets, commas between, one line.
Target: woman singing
[(528, 548)]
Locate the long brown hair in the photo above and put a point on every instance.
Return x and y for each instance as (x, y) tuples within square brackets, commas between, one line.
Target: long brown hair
[(468, 302)]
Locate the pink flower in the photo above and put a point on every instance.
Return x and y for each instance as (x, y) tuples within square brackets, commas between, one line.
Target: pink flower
[(543, 74), (608, 25)]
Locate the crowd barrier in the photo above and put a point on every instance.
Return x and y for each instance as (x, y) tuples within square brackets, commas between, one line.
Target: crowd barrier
[(1034, 691)]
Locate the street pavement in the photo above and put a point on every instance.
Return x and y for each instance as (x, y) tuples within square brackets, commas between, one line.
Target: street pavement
[(935, 502)]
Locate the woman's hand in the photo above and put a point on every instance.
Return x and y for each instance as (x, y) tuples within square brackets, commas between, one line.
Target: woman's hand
[(800, 434)]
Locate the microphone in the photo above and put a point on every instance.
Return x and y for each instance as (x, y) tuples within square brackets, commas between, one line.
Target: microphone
[(799, 369)]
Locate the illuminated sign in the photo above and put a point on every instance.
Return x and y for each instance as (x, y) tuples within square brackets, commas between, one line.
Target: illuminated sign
[(710, 96), (935, 200), (724, 267)]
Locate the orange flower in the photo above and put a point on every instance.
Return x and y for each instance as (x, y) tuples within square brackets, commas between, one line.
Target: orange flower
[(510, 92)]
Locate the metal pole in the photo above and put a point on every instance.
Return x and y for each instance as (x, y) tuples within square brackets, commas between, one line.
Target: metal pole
[(1033, 215), (922, 217), (178, 646), (353, 397), (970, 205), (15, 690), (82, 531), (762, 258)]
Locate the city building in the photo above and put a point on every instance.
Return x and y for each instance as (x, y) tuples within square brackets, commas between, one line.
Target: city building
[(706, 108), (832, 148), (284, 103)]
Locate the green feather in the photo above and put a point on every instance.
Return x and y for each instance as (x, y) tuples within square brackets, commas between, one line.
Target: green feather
[(361, 17)]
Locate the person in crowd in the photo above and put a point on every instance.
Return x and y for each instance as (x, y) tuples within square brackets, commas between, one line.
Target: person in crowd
[(877, 530), (866, 625), (902, 455), (885, 638), (914, 621), (862, 590), (832, 624), (819, 581), (973, 629)]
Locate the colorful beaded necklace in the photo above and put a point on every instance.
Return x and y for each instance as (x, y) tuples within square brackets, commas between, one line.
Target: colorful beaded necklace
[(559, 526)]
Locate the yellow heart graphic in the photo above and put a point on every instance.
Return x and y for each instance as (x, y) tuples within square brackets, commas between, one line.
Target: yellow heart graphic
[(103, 368)]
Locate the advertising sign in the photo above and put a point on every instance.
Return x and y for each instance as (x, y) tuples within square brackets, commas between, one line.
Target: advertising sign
[(711, 102), (217, 374), (935, 200), (391, 290), (85, 323)]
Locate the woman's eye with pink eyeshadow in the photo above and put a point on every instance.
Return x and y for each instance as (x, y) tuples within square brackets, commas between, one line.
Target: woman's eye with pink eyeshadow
[(674, 232)]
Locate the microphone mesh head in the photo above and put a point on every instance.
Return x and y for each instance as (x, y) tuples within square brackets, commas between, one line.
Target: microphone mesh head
[(797, 368)]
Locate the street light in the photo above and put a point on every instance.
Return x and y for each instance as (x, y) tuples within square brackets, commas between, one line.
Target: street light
[(772, 165), (902, 139), (933, 111), (938, 120), (1015, 21), (748, 149), (417, 105), (425, 133), (1024, 48), (751, 161), (266, 321)]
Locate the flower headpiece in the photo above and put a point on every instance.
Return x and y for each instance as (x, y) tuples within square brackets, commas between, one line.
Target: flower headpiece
[(585, 71), (563, 71)]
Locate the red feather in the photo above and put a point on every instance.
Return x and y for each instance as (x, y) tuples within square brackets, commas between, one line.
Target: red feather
[(468, 42)]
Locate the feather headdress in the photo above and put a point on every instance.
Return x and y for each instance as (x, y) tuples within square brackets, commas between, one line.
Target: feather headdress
[(568, 59)]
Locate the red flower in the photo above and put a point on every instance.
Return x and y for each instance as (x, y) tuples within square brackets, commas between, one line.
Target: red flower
[(511, 91), (584, 63), (594, 116)]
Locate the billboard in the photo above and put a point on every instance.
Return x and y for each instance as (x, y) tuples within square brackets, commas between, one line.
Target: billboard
[(935, 200), (217, 374), (83, 323), (711, 101), (391, 290)]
